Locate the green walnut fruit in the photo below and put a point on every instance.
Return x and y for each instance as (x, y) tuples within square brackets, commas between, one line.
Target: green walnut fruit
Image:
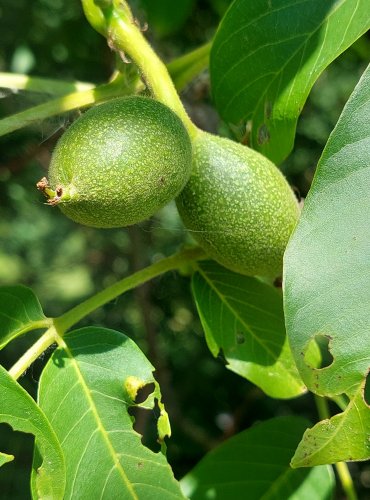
[(238, 206), (119, 163)]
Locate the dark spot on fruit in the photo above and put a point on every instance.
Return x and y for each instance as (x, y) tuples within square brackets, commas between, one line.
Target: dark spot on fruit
[(59, 191), (263, 135)]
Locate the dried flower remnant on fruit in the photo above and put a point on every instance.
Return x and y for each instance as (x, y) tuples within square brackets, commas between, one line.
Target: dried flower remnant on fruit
[(53, 196)]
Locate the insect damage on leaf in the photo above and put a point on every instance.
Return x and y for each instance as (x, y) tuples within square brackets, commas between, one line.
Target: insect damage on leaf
[(132, 385)]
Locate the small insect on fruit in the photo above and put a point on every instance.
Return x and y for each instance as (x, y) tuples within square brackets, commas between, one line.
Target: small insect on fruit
[(119, 163)]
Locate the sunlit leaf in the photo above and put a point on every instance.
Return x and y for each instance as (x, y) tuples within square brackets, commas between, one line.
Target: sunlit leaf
[(327, 279), (327, 263), (255, 464), (86, 391), (20, 312), (243, 318), (344, 437), (20, 411), (266, 56)]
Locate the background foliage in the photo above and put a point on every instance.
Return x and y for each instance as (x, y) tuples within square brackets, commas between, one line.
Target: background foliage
[(64, 262)]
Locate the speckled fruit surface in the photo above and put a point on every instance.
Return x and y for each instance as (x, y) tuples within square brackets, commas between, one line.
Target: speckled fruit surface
[(238, 206), (120, 162)]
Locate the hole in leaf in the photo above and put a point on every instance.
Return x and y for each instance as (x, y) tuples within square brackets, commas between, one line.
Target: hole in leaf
[(367, 390), (137, 389), (322, 343), (145, 423), (144, 392), (337, 404), (14, 476)]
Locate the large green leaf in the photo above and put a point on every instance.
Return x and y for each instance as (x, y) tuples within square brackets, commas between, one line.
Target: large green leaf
[(19, 410), (344, 437), (327, 270), (255, 464), (86, 391), (20, 312), (327, 263), (243, 318), (266, 56)]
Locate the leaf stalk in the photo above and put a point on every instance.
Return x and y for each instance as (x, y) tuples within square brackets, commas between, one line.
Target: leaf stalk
[(24, 362), (176, 261)]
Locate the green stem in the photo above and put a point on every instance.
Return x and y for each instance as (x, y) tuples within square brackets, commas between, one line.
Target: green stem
[(340, 401), (124, 35), (341, 467), (95, 16), (346, 480), (24, 362), (322, 407), (185, 68), (41, 85), (61, 105), (176, 261)]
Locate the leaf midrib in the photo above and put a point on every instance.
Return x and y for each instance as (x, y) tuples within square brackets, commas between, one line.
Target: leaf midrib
[(99, 427), (248, 328)]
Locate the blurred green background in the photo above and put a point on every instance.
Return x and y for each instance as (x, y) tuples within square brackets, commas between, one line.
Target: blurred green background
[(64, 263)]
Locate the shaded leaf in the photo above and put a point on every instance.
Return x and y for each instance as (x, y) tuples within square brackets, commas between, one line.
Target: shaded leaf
[(266, 56), (344, 437), (86, 390), (167, 16), (327, 263), (20, 312), (19, 410), (243, 318), (257, 461)]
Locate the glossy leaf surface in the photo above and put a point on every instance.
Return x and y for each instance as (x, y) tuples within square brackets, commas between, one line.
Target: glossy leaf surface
[(266, 56), (327, 265), (20, 411), (86, 390), (243, 318), (257, 461), (20, 312)]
